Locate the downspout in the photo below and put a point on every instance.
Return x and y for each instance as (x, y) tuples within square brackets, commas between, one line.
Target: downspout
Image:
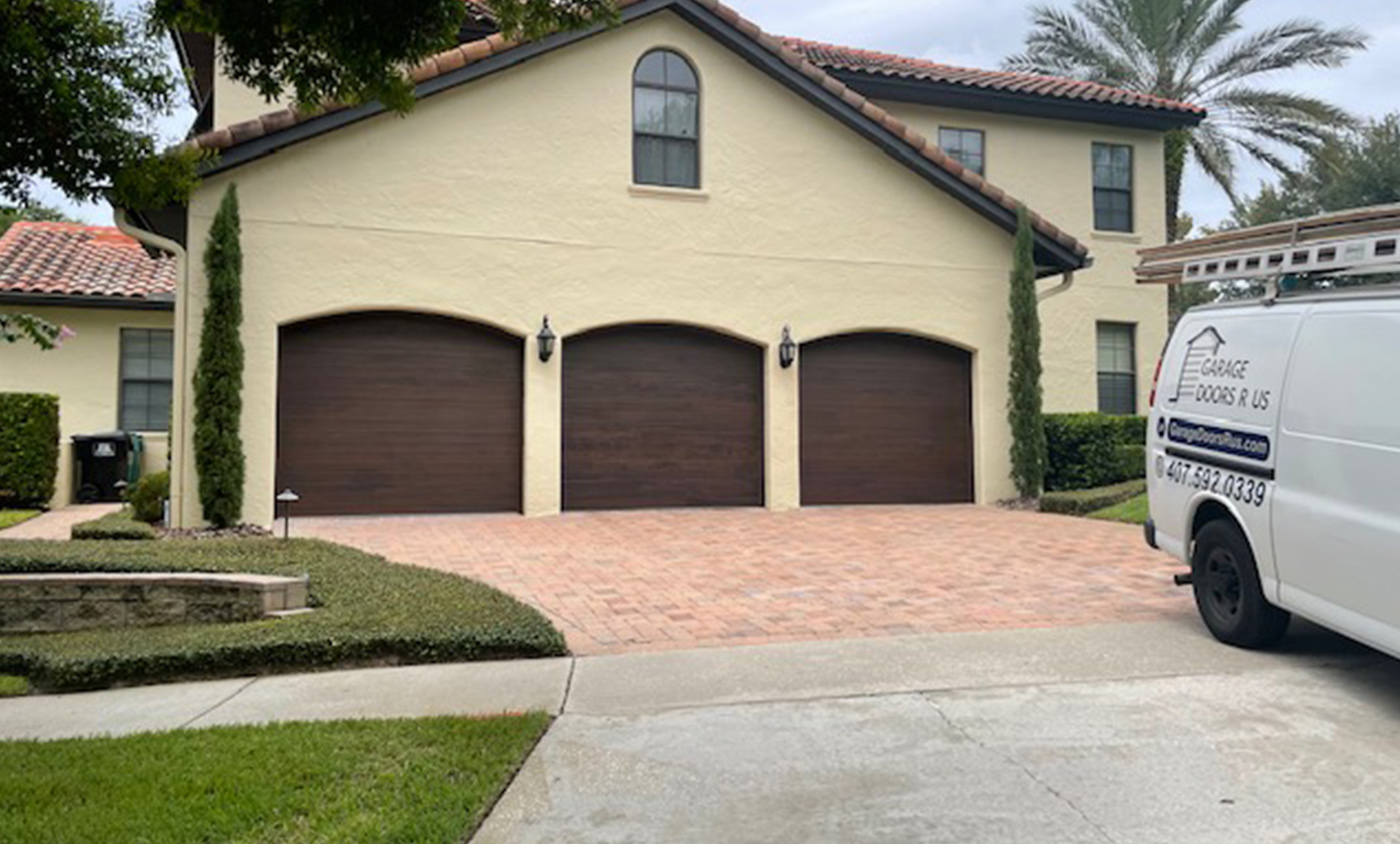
[(179, 415), (1057, 289)]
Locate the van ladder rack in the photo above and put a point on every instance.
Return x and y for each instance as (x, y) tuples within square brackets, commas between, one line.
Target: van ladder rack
[(1362, 241)]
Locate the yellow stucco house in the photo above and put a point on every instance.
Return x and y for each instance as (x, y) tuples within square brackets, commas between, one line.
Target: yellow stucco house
[(114, 372), (565, 281)]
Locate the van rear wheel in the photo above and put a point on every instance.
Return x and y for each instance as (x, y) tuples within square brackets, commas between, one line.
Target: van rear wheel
[(1228, 595)]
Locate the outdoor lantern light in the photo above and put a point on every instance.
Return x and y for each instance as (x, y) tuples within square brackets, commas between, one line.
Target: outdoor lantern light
[(546, 340), (287, 498), (787, 350)]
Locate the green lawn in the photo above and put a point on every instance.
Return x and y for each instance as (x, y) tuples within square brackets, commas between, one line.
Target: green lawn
[(426, 781), (13, 686), (10, 518), (367, 611), (1134, 510)]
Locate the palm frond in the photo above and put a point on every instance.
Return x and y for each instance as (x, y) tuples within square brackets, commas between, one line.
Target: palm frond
[(1288, 45), (1062, 45), (1211, 151)]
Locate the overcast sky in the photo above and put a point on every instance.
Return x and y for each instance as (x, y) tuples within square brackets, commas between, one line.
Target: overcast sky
[(980, 33)]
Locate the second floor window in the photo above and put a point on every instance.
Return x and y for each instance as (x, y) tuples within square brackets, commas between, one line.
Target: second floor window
[(665, 121), (965, 146), (1113, 187)]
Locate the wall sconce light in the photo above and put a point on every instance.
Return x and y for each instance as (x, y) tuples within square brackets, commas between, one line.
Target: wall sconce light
[(287, 498), (546, 341), (787, 350)]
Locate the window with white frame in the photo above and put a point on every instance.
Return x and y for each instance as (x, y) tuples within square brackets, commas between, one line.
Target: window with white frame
[(147, 363), (1117, 368), (665, 121), (968, 147)]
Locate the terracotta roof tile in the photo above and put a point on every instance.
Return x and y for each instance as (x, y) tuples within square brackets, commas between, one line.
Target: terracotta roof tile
[(788, 50), (69, 259), (834, 57)]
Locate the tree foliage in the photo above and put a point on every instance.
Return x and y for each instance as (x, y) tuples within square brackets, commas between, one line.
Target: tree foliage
[(1025, 399), (82, 86), (1198, 51), (353, 51), (1356, 169), (218, 377)]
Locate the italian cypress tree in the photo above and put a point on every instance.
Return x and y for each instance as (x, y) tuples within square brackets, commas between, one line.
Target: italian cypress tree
[(218, 379), (1024, 402)]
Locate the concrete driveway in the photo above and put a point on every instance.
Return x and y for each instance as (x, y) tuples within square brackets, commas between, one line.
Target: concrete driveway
[(652, 580), (1121, 734)]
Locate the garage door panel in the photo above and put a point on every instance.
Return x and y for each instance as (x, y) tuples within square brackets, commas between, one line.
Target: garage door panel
[(399, 413), (661, 416), (885, 419)]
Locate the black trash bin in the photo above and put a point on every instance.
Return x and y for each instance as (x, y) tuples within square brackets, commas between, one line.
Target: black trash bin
[(101, 461)]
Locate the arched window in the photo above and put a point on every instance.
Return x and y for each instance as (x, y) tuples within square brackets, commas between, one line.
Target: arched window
[(665, 121)]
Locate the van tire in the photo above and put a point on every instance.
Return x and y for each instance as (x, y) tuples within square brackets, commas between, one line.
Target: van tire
[(1225, 580)]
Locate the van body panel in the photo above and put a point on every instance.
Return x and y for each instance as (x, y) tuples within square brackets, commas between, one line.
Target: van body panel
[(1287, 414), (1337, 507)]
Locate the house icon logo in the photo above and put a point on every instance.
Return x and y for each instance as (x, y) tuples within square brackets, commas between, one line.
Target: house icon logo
[(1199, 349)]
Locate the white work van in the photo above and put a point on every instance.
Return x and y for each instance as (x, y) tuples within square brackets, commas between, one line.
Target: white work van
[(1273, 464)]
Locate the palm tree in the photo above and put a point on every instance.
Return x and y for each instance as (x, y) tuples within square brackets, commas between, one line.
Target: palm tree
[(1195, 51)]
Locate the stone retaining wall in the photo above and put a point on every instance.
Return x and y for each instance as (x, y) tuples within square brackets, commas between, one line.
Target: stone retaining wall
[(45, 603)]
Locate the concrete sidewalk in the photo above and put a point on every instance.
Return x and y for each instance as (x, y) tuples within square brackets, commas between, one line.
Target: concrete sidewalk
[(58, 524), (647, 683)]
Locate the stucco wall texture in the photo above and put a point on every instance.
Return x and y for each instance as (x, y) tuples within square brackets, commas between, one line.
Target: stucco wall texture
[(85, 375), (510, 198)]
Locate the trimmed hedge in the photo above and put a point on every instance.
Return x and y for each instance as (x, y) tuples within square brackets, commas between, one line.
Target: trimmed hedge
[(1088, 450), (147, 497), (1081, 502), (118, 525), (28, 448), (368, 611)]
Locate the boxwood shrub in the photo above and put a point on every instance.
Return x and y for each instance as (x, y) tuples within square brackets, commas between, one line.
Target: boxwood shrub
[(1079, 502), (119, 525), (367, 611), (28, 448), (147, 497), (1088, 450)]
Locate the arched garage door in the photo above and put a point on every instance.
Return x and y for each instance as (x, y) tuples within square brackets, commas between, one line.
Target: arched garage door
[(662, 416), (399, 413), (885, 419)]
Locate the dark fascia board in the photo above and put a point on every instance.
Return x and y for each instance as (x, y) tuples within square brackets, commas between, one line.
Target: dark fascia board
[(1051, 256), (878, 86), (55, 300)]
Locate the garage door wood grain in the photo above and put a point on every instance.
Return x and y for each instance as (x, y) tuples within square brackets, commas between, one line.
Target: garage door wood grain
[(885, 419), (399, 413), (661, 416)]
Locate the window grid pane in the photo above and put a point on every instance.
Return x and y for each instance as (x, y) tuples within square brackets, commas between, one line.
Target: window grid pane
[(665, 122), (1113, 187), (964, 146), (147, 360), (1117, 368)]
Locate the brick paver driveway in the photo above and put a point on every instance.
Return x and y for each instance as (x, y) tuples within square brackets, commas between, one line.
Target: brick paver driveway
[(648, 580)]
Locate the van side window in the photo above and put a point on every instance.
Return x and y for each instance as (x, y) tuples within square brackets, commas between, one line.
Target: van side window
[(1117, 368), (1343, 381)]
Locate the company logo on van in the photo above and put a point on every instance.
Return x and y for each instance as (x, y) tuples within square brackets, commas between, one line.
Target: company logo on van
[(1209, 376), (1237, 443), (1199, 349)]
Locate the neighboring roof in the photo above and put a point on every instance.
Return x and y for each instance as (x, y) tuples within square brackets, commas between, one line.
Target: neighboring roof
[(251, 139), (835, 58), (74, 261)]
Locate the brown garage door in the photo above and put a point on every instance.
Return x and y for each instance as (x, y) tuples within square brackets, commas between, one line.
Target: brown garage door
[(886, 419), (662, 416), (399, 413)]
